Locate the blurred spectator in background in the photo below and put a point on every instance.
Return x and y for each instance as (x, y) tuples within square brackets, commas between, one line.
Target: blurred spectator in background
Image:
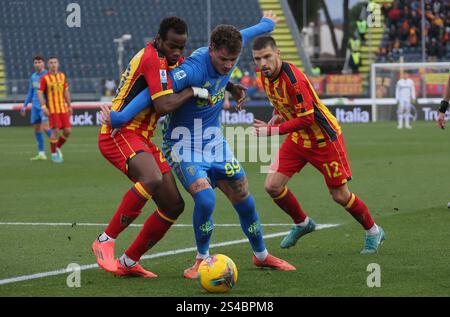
[(316, 71), (236, 75), (362, 28), (355, 43), (110, 87), (355, 62), (250, 82), (435, 50), (412, 37)]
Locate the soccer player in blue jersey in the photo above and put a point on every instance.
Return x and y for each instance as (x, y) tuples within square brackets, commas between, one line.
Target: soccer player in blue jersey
[(38, 119), (195, 146)]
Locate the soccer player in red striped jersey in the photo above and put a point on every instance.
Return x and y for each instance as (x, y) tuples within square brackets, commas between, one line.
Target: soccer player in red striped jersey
[(54, 97), (132, 151), (314, 136)]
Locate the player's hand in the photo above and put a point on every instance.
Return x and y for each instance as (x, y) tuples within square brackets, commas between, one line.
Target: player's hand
[(441, 120), (45, 111), (202, 93), (226, 104), (261, 129), (70, 110), (272, 16), (114, 132), (105, 112), (276, 119), (22, 112), (239, 94)]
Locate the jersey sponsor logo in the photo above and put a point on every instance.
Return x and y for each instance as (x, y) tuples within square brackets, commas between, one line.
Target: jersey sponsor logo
[(180, 75), (163, 76)]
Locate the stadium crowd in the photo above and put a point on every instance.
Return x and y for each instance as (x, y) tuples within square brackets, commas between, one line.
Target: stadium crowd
[(403, 25)]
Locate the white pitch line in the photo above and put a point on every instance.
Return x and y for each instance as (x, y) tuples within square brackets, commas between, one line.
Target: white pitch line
[(75, 224), (146, 257)]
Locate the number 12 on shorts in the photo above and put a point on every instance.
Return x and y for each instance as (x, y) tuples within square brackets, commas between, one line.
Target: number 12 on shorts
[(332, 169)]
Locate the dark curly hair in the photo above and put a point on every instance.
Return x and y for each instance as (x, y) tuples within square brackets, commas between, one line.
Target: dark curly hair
[(176, 24), (226, 36)]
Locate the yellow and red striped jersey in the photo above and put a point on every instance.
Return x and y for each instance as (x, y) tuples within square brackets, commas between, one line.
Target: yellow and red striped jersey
[(293, 96), (53, 87), (147, 69)]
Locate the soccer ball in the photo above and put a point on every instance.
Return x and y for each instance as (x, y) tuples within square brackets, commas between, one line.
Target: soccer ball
[(217, 273)]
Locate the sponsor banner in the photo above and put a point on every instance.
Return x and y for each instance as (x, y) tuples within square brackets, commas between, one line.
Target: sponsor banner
[(345, 112), (318, 82), (347, 85)]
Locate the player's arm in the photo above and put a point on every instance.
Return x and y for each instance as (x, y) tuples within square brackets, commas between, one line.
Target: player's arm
[(397, 92), (276, 118), (168, 96), (29, 97), (413, 91), (42, 88), (67, 97), (238, 92), (444, 106), (301, 97), (266, 25), (181, 77)]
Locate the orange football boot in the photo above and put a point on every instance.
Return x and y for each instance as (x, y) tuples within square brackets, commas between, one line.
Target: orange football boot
[(192, 272), (104, 252), (135, 271), (274, 263)]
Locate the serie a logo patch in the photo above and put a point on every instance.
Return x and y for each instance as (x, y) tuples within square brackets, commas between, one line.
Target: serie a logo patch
[(163, 76)]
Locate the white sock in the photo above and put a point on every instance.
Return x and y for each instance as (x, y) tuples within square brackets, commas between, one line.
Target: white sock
[(42, 153), (373, 231), (126, 261), (400, 121), (304, 223), (105, 238), (202, 256), (261, 255)]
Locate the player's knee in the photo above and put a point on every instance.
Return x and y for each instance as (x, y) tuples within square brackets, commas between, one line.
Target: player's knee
[(340, 197), (273, 189), (176, 209), (67, 133), (152, 184)]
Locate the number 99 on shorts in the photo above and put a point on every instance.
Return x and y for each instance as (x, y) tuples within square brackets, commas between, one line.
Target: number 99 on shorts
[(232, 168)]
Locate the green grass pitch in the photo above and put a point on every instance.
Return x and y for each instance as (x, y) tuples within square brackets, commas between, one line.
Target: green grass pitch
[(403, 176)]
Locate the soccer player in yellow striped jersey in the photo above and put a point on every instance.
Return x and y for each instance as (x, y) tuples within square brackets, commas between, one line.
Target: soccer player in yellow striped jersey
[(314, 136), (54, 97)]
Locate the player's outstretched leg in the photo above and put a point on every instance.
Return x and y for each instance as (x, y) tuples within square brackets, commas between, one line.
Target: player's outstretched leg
[(275, 186), (145, 171), (170, 206), (358, 209), (62, 139), (243, 202), (204, 200)]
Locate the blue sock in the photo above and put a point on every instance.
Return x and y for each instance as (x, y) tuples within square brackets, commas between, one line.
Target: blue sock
[(49, 133), (40, 141), (250, 223), (205, 201)]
